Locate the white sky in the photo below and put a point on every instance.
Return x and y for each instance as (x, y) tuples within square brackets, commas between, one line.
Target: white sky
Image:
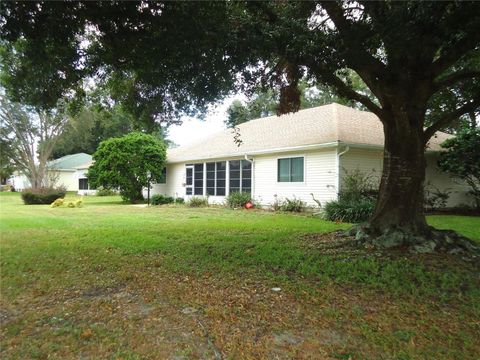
[(193, 129)]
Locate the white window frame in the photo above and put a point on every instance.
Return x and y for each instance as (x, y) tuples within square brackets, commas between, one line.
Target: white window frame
[(289, 183)]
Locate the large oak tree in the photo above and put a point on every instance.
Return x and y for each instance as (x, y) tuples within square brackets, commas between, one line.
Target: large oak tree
[(180, 56)]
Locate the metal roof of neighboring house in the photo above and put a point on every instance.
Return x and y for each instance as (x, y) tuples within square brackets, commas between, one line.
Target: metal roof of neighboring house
[(322, 125), (69, 162)]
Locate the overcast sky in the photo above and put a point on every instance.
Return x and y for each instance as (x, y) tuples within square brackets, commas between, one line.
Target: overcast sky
[(193, 129)]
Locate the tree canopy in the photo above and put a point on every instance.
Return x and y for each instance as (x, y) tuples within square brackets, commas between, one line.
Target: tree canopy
[(128, 163), (462, 160), (264, 102)]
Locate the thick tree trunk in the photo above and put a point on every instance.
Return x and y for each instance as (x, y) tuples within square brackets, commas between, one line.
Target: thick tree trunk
[(400, 201), (399, 219)]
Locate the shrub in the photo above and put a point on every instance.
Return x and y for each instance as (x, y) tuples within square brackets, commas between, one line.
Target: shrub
[(358, 185), (179, 200), (159, 199), (197, 201), (238, 199), (129, 164), (434, 198), (57, 203), (352, 211), (42, 195), (293, 205), (106, 192)]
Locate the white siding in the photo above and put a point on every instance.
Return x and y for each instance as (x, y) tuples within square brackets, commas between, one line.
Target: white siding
[(319, 178), (458, 189), (65, 178), (371, 161), (367, 161)]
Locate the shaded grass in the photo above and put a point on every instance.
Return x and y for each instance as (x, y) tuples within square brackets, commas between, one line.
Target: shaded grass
[(47, 252)]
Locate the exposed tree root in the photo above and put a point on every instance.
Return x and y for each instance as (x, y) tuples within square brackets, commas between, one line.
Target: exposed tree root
[(433, 241)]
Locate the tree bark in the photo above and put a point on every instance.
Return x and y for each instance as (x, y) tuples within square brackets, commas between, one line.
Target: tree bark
[(400, 201)]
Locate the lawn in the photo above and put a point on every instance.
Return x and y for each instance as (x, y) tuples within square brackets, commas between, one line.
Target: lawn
[(117, 281)]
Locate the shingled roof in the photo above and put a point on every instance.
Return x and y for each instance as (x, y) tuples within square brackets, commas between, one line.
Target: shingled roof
[(69, 162), (322, 125)]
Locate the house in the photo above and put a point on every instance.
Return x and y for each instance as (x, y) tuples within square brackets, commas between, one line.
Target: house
[(293, 155), (62, 171)]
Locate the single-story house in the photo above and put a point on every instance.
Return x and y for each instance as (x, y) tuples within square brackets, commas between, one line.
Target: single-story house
[(294, 155), (63, 170)]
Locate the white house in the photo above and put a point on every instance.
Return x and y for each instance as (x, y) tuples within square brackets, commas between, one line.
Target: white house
[(288, 156), (63, 170)]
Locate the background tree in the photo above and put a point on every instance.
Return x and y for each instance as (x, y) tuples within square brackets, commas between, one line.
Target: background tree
[(89, 126), (179, 56), (128, 163), (264, 101), (28, 138), (462, 159)]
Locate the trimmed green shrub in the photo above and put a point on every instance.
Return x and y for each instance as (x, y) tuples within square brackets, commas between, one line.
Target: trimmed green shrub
[(352, 211), (197, 201), (237, 199), (293, 205), (179, 200), (159, 199), (106, 192), (44, 196)]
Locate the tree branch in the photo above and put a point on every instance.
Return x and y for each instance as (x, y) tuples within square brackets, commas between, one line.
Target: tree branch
[(345, 90), (451, 79), (449, 117), (456, 52), (356, 53)]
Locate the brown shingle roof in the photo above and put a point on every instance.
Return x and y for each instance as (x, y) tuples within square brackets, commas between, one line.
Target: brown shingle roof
[(320, 125)]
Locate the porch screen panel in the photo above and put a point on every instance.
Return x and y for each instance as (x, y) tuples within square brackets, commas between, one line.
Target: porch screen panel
[(211, 178), (198, 179), (246, 176), (189, 181), (221, 172), (240, 176), (234, 176)]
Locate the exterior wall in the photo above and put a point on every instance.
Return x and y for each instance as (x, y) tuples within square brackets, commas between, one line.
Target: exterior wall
[(441, 180), (371, 161), (320, 174), (19, 182), (367, 161), (82, 174), (65, 178)]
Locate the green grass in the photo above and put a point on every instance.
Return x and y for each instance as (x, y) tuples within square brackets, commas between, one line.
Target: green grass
[(47, 253)]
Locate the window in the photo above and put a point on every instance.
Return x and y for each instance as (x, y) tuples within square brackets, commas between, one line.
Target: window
[(290, 169), (163, 179), (189, 180), (216, 175), (240, 176), (198, 179), (83, 184)]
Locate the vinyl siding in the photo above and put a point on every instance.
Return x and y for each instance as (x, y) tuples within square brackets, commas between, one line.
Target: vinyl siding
[(370, 161), (320, 174)]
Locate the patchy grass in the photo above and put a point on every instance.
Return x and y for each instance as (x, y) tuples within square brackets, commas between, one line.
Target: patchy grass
[(117, 281)]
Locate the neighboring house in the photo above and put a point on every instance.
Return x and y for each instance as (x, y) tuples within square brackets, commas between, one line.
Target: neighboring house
[(62, 170), (81, 176), (293, 155)]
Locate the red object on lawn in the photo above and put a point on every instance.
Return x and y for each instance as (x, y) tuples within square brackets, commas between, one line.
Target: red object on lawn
[(249, 205)]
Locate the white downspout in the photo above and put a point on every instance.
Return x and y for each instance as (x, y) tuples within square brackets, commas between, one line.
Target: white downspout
[(339, 154), (253, 174)]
